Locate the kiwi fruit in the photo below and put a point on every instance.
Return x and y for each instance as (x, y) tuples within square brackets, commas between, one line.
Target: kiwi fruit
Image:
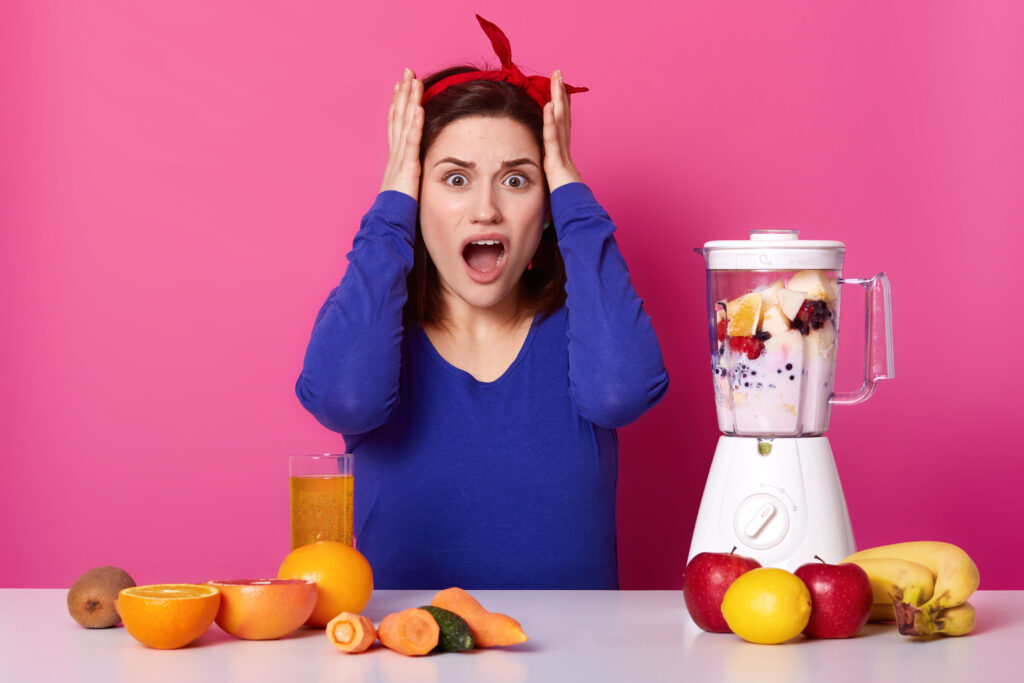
[(91, 598)]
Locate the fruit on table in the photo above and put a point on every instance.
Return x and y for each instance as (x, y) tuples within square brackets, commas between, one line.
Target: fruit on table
[(168, 616), (351, 633), (841, 599), (455, 634), (489, 629), (895, 579), (956, 579), (343, 577), (411, 632), (767, 606), (955, 621), (264, 609), (91, 598), (705, 580)]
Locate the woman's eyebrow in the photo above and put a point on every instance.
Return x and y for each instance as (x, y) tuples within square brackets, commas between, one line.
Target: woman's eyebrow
[(518, 162), (472, 164), (457, 162)]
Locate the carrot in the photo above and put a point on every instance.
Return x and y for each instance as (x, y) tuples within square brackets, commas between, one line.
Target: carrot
[(411, 632), (351, 632), (489, 629)]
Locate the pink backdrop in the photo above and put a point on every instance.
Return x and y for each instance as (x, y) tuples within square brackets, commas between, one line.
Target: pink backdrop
[(180, 185)]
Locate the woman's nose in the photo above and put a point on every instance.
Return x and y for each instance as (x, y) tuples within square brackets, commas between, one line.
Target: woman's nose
[(485, 206)]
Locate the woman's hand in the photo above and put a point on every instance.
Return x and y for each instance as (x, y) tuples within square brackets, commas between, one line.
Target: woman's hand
[(558, 166), (405, 127)]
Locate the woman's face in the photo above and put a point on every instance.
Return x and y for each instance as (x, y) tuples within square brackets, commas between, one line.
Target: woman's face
[(482, 207)]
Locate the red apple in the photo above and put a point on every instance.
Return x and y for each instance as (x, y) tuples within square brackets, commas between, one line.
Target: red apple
[(705, 581), (840, 598)]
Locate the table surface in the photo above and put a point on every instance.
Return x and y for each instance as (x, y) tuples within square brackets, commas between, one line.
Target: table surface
[(574, 635)]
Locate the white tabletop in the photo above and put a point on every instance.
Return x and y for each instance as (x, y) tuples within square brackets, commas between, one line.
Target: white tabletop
[(633, 636)]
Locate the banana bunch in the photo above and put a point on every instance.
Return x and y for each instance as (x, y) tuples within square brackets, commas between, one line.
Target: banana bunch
[(922, 585)]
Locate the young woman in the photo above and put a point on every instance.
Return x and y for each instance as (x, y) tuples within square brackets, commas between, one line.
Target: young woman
[(484, 344)]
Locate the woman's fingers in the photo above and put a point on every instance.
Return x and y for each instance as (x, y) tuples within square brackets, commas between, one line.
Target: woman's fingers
[(551, 145), (558, 165), (413, 92), (391, 118), (561, 98), (405, 126), (414, 121)]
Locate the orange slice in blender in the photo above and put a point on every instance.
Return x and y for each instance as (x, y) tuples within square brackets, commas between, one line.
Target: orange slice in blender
[(744, 314)]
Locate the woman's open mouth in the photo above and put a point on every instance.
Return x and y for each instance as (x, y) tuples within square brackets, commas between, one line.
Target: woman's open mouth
[(484, 257)]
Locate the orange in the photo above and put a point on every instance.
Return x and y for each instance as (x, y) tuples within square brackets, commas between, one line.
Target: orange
[(744, 314), (344, 580), (169, 615), (264, 609)]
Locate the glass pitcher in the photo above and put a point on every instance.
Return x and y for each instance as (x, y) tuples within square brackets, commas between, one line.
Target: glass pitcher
[(773, 316)]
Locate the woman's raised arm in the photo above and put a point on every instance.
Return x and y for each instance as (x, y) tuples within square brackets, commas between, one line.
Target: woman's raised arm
[(350, 374), (616, 371)]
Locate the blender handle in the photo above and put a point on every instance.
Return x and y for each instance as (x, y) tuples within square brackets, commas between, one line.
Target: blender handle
[(878, 362)]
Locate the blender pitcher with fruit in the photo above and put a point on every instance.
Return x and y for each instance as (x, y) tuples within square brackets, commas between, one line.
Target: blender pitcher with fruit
[(773, 491)]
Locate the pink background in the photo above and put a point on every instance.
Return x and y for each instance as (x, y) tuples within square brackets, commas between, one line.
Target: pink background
[(180, 185)]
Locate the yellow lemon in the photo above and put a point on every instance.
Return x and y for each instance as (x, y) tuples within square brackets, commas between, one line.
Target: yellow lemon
[(767, 605)]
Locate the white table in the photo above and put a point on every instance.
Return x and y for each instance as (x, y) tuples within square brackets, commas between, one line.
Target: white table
[(622, 636)]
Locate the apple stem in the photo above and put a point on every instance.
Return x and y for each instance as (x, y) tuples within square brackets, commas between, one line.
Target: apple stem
[(820, 560), (733, 550)]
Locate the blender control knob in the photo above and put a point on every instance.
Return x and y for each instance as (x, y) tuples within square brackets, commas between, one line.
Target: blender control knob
[(761, 521), (758, 521)]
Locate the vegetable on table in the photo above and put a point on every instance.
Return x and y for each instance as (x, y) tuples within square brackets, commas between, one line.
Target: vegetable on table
[(411, 632), (455, 633), (489, 629), (351, 633)]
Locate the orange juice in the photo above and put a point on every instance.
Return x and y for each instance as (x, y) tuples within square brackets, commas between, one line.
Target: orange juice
[(321, 509)]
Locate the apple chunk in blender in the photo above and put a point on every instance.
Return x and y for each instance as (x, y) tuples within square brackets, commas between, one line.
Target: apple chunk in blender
[(775, 357)]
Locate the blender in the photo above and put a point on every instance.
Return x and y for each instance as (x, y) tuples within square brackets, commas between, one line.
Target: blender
[(773, 491)]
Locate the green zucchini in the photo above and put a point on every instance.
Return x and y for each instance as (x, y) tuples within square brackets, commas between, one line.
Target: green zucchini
[(455, 633)]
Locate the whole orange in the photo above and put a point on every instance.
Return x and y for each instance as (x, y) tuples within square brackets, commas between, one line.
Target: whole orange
[(264, 609), (167, 616), (344, 579)]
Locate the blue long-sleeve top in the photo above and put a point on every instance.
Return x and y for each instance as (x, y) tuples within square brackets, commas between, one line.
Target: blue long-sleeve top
[(502, 484)]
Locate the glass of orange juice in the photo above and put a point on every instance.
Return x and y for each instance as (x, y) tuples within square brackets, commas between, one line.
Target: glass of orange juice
[(321, 493)]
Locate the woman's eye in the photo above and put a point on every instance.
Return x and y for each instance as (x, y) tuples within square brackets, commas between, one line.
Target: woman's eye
[(455, 179), (516, 180)]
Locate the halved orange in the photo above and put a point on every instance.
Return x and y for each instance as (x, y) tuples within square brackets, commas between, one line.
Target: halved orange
[(168, 615), (264, 609)]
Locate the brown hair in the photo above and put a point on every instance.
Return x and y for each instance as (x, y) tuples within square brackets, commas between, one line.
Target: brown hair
[(544, 283)]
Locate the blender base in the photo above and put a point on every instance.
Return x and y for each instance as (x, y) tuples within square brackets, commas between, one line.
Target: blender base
[(782, 509)]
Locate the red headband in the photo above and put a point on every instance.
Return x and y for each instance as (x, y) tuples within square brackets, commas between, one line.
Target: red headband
[(537, 87)]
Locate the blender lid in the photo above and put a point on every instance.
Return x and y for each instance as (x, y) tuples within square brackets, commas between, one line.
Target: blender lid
[(774, 250)]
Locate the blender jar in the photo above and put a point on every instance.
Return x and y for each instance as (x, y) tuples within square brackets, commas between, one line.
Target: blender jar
[(773, 313)]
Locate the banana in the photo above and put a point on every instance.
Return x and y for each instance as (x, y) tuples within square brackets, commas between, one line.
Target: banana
[(956, 579), (956, 575), (895, 579), (882, 612), (954, 621)]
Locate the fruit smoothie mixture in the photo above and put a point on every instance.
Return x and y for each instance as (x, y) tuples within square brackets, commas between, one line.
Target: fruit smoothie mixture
[(774, 361)]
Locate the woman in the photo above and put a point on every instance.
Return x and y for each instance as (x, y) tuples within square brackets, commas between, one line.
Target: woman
[(483, 345)]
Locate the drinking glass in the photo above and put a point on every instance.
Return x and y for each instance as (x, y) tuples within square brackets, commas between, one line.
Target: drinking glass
[(321, 491)]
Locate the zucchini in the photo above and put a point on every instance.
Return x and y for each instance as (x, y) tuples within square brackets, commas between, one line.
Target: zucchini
[(455, 633)]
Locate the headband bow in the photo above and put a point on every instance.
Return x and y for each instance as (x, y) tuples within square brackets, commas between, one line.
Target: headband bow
[(537, 87)]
